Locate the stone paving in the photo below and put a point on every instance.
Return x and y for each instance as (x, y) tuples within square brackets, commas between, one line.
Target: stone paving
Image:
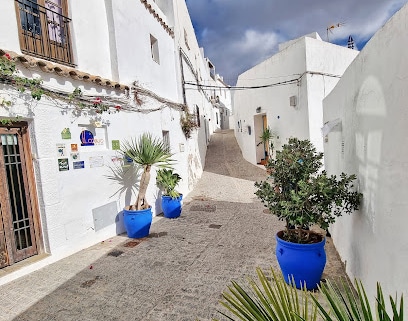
[(177, 273)]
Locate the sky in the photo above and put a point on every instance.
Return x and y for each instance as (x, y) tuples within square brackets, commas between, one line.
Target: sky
[(239, 34)]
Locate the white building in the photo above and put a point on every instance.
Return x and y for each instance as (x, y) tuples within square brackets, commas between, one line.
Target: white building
[(370, 101), (122, 55), (285, 93)]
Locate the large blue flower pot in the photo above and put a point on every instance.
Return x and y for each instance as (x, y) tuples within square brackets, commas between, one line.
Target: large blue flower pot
[(171, 206), (137, 223), (304, 262)]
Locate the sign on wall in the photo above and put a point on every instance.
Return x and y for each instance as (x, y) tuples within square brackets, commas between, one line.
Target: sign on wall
[(63, 164)]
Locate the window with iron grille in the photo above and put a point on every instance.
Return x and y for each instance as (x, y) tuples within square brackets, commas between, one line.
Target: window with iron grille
[(166, 139), (44, 29)]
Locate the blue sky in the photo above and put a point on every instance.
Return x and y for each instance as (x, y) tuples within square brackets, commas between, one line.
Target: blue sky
[(238, 34)]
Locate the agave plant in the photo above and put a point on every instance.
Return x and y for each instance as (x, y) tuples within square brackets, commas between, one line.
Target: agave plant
[(146, 151), (268, 301)]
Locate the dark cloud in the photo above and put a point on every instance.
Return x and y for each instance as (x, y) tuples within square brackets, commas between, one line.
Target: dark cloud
[(238, 34)]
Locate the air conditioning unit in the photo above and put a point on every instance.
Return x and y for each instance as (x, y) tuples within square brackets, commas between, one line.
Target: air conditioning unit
[(293, 101)]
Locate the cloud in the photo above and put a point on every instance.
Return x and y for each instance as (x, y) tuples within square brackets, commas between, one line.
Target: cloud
[(238, 34)]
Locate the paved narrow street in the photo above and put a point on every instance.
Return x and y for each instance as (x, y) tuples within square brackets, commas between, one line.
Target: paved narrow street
[(179, 272)]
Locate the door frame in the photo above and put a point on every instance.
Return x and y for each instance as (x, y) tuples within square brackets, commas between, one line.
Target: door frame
[(22, 130)]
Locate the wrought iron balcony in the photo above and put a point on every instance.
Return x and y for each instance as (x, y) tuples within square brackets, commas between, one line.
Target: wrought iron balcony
[(44, 30)]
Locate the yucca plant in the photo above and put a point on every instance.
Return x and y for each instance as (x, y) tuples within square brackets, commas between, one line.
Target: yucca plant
[(266, 139), (275, 300), (267, 300), (146, 151)]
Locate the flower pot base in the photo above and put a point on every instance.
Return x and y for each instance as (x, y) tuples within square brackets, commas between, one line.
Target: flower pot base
[(303, 263), (137, 223)]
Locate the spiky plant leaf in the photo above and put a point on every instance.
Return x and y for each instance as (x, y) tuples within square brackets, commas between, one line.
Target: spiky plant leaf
[(265, 300)]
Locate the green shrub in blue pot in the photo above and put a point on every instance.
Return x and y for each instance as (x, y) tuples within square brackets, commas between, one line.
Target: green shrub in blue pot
[(145, 151), (298, 192), (167, 180)]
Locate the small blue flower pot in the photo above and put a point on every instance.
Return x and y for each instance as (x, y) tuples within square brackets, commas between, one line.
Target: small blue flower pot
[(171, 206)]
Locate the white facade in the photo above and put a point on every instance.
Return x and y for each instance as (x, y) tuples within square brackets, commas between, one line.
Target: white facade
[(292, 84), (113, 40), (371, 102)]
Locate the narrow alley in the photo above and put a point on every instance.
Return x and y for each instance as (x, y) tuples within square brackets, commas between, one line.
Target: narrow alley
[(179, 271)]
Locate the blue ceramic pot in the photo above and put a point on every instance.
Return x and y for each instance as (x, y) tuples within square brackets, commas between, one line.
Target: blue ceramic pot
[(171, 206), (304, 262), (137, 223)]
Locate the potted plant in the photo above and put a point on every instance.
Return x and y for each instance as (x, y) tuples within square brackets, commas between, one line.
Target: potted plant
[(146, 151), (167, 181), (300, 194), (266, 140)]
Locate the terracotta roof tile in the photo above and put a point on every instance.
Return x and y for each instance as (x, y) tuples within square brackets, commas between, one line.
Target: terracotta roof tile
[(50, 67), (156, 15)]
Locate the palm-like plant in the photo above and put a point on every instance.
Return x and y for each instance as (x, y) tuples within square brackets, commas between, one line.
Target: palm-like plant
[(348, 304), (146, 151), (268, 301), (274, 300), (266, 139)]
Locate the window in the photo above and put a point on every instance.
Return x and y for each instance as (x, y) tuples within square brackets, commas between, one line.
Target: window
[(166, 139), (198, 122), (154, 47), (212, 70), (44, 29), (186, 39)]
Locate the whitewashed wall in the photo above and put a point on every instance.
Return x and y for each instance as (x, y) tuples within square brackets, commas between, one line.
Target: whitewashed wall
[(194, 65), (306, 58), (111, 40), (371, 101)]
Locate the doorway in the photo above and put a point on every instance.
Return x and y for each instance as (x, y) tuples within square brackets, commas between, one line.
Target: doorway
[(19, 216)]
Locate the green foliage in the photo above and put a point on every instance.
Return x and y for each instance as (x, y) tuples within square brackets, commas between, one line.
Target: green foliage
[(167, 180), (188, 123), (9, 121), (297, 193), (146, 151), (34, 85), (7, 66), (267, 301), (274, 300), (8, 75), (348, 304), (266, 138)]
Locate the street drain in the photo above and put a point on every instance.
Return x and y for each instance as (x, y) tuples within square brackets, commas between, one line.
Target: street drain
[(215, 226), (89, 283), (160, 234), (203, 208), (115, 253), (132, 243)]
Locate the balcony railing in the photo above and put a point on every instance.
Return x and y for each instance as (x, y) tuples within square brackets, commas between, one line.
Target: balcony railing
[(44, 31)]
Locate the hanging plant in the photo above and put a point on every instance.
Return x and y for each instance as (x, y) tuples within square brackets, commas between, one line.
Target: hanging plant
[(188, 123)]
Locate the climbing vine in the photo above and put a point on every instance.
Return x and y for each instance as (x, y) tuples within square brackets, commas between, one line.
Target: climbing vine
[(132, 101)]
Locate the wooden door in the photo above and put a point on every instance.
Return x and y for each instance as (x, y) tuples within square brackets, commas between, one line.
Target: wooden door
[(19, 228)]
